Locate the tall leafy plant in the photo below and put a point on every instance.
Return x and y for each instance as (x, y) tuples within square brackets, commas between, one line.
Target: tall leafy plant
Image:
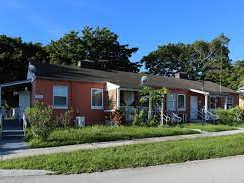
[(153, 97), (40, 118)]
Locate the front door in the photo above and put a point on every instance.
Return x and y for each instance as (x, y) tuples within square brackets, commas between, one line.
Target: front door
[(194, 107), (24, 102)]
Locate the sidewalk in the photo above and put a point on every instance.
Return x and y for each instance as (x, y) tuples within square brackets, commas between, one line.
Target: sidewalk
[(69, 148)]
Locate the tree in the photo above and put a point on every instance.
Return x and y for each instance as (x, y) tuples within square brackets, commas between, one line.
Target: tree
[(200, 60), (153, 97), (68, 50), (15, 56), (168, 59), (99, 45)]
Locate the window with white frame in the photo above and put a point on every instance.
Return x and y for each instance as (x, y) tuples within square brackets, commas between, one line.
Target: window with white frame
[(96, 98), (229, 102), (181, 102), (171, 101), (60, 97)]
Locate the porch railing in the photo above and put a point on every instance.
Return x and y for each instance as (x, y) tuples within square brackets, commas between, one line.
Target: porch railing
[(129, 113), (210, 116), (24, 122), (13, 113), (176, 118), (166, 119)]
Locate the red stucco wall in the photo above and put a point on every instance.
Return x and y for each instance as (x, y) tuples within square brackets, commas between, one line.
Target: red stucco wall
[(79, 97)]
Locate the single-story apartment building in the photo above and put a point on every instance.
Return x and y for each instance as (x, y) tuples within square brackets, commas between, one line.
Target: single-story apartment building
[(95, 94)]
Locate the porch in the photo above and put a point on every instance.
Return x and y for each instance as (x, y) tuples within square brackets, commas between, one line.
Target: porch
[(15, 97), (128, 100), (203, 105), (188, 105)]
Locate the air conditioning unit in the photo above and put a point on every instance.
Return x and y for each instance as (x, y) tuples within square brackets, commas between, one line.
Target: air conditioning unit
[(80, 121)]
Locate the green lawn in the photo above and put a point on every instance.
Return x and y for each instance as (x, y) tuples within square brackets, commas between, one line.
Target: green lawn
[(140, 155), (70, 136), (209, 127), (241, 125)]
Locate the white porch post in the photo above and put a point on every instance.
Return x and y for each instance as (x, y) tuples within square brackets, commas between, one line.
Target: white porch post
[(118, 98), (205, 106), (225, 103), (206, 102), (162, 111)]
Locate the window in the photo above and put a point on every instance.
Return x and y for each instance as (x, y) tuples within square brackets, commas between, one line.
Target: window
[(96, 98), (229, 102), (60, 97), (171, 101), (213, 102), (181, 102)]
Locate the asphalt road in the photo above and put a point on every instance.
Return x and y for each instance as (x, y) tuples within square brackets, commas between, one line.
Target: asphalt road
[(224, 170)]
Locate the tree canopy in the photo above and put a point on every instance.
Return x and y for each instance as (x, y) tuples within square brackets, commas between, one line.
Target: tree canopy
[(15, 55), (200, 60), (99, 45)]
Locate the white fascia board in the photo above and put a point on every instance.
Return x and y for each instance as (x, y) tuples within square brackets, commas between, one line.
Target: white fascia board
[(15, 83), (199, 91)]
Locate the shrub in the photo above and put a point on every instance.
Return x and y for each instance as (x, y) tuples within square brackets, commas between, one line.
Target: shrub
[(65, 119), (40, 118), (139, 116), (154, 121), (118, 117), (231, 116)]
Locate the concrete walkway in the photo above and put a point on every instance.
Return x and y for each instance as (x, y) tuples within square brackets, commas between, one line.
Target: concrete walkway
[(8, 146), (69, 148)]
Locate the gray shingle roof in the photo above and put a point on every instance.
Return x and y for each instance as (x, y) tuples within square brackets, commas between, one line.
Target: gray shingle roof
[(124, 79)]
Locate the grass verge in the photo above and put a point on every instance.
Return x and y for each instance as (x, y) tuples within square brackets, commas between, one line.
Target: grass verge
[(70, 136), (140, 155), (209, 127)]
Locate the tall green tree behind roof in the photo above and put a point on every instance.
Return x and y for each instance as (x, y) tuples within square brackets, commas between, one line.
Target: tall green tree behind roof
[(99, 45), (15, 55), (207, 58)]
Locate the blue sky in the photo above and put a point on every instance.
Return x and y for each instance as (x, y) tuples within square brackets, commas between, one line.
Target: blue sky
[(140, 23)]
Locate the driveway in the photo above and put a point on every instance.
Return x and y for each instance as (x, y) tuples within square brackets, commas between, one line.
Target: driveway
[(224, 170)]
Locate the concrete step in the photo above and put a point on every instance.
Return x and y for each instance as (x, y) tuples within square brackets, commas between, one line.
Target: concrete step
[(12, 134)]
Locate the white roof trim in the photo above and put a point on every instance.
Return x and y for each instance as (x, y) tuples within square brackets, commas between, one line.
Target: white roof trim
[(15, 83), (111, 86), (199, 91)]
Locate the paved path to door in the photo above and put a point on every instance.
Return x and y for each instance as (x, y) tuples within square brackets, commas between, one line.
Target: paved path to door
[(69, 148), (223, 170), (10, 146)]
